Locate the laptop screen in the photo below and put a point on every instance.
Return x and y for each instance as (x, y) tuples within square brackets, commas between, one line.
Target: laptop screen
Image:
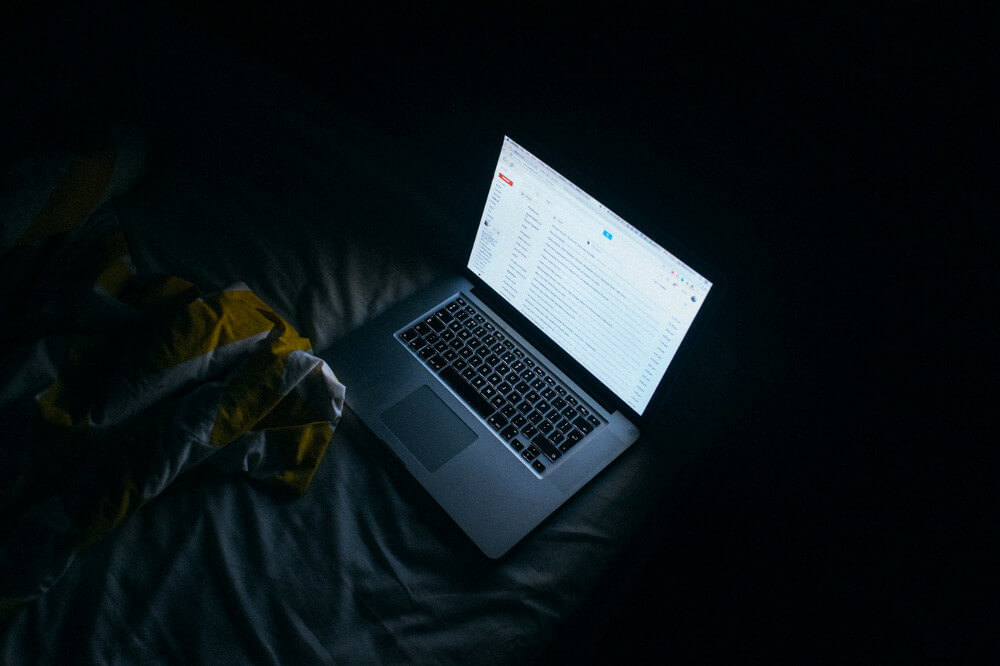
[(613, 299)]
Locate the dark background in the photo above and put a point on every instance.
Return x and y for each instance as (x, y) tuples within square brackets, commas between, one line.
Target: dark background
[(828, 163)]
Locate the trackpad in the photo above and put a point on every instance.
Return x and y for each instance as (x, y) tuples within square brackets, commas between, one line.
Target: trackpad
[(429, 429)]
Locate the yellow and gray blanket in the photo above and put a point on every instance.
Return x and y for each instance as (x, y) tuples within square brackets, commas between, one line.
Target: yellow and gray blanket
[(113, 385)]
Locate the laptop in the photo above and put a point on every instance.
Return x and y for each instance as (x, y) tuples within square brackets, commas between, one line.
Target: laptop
[(505, 389)]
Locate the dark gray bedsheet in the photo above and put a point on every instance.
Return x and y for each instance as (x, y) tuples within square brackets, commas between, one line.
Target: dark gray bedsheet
[(363, 568)]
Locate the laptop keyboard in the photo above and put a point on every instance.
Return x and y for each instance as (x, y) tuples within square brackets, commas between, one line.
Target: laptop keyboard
[(518, 398)]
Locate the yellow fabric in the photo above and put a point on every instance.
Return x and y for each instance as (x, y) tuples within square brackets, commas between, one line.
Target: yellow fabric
[(202, 326), (147, 396)]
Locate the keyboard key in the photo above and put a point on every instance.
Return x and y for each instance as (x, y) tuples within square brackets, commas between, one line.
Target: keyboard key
[(497, 421), (558, 403), (535, 417), (540, 371), (560, 390), (435, 323), (444, 315), (426, 352), (525, 406), (456, 344), (516, 444), (455, 325), (488, 391), (495, 378), (478, 382), (542, 406), (569, 413), (417, 344), (519, 420), (557, 438), (537, 464), (546, 447), (469, 373), (527, 454), (448, 335), (583, 425), (436, 362), (571, 400), (441, 346), (529, 430), (528, 362), (522, 387), (548, 394), (545, 427), (574, 436), (508, 433), (504, 388), (498, 401), (564, 425), (594, 421), (459, 365), (457, 384), (409, 334), (508, 411), (583, 410), (531, 397), (538, 384), (422, 328)]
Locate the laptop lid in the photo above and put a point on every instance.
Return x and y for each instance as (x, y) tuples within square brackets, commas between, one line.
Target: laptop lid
[(610, 302)]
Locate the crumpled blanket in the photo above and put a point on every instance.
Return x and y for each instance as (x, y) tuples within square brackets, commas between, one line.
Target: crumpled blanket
[(114, 385)]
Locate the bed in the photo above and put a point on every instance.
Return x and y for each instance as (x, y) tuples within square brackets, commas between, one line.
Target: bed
[(290, 197)]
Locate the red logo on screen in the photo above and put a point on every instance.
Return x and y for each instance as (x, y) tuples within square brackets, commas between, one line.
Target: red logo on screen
[(506, 180)]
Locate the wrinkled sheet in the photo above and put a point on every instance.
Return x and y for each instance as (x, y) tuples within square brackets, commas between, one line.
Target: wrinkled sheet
[(123, 383)]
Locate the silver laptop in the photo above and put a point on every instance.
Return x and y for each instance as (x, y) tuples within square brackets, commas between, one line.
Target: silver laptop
[(506, 389)]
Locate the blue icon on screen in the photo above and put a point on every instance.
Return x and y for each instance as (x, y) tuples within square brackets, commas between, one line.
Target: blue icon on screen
[(607, 234)]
